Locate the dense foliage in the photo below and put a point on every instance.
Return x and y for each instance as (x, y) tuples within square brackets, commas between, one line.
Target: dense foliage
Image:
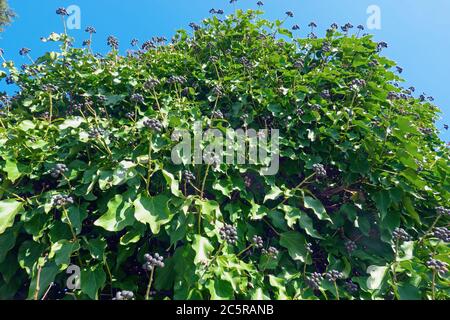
[(358, 209)]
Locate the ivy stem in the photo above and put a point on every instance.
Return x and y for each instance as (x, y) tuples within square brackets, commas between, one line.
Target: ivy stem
[(147, 293), (66, 215), (64, 23), (72, 230), (433, 286), (248, 248), (149, 164), (271, 227), (299, 186), (430, 229), (394, 273), (50, 114), (38, 280), (337, 290), (212, 260), (202, 190)]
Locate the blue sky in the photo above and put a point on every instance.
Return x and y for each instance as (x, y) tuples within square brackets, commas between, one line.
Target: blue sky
[(417, 31)]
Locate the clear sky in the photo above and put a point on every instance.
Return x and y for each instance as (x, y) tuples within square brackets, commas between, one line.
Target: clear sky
[(417, 31)]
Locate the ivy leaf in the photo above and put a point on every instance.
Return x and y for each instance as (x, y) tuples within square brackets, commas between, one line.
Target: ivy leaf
[(202, 248), (293, 215), (377, 274), (118, 216), (408, 291), (61, 251), (317, 207), (92, 279), (295, 243), (173, 183), (7, 241), (8, 210), (74, 122), (152, 210), (220, 289), (12, 169), (274, 193), (382, 201), (46, 277)]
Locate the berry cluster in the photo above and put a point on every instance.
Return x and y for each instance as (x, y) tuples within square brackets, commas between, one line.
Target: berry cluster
[(90, 30), (124, 295), (153, 124), (271, 252), (137, 98), (58, 170), (96, 133), (229, 234), (217, 114), (309, 248), (176, 79), (437, 265), (62, 12), (62, 201), (290, 14), (350, 286), (214, 11), (357, 84), (153, 261), (314, 280), (151, 83), (320, 171), (350, 246), (442, 233), (400, 234), (442, 211), (258, 241), (130, 115), (325, 94), (188, 176), (334, 275), (248, 181), (24, 51), (113, 42)]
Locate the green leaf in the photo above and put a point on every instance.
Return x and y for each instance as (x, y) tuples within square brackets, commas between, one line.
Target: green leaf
[(119, 215), (97, 248), (295, 243), (92, 279), (377, 275), (173, 183), (74, 122), (202, 248), (8, 210), (62, 251), (7, 241), (293, 215), (220, 289), (152, 210), (29, 253), (317, 207), (12, 169), (408, 291), (382, 200), (46, 277), (273, 194)]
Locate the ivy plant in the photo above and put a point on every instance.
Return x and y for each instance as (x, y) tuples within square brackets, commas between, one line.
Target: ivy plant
[(357, 210)]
